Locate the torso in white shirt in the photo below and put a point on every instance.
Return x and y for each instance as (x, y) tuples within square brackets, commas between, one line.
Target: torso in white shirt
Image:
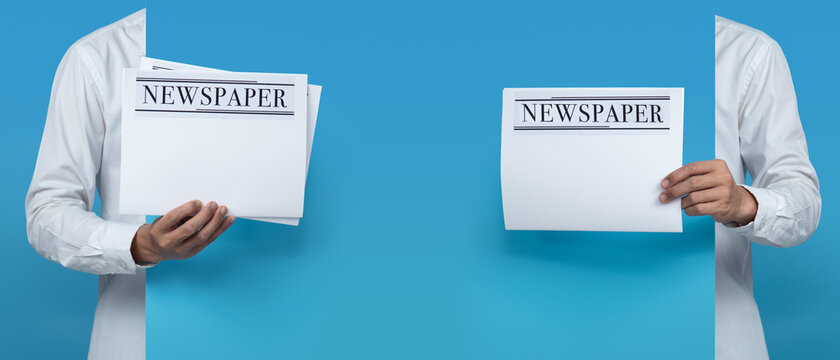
[(119, 330), (757, 130)]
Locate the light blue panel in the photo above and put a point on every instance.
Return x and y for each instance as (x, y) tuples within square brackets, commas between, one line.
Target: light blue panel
[(797, 289), (402, 251), (46, 311)]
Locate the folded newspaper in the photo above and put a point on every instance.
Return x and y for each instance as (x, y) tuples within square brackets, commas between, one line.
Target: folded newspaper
[(240, 139)]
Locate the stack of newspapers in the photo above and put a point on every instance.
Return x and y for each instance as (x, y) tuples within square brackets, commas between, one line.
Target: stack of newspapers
[(240, 139)]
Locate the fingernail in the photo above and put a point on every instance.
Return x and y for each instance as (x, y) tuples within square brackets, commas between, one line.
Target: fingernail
[(224, 210), (665, 183), (663, 197), (231, 219), (197, 203), (213, 206)]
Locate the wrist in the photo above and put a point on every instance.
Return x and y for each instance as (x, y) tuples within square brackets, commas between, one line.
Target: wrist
[(139, 248), (748, 207)]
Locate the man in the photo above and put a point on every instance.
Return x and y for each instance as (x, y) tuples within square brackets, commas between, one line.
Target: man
[(757, 129), (80, 152)]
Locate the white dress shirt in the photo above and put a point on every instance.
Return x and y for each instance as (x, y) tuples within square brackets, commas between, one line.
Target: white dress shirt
[(80, 153), (757, 129)]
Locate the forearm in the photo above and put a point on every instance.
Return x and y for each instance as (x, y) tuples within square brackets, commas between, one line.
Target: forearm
[(787, 215), (67, 233)]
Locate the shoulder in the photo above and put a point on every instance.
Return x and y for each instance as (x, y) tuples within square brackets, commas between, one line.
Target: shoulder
[(742, 51), (118, 42), (102, 54), (127, 31), (731, 34)]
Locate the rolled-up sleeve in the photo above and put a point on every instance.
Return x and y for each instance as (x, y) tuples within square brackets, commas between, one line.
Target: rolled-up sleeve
[(59, 219), (775, 153)]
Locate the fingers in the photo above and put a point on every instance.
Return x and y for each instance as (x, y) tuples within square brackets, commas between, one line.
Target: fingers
[(198, 220), (690, 169), (207, 230), (219, 230), (704, 188), (174, 216), (700, 209), (690, 185), (187, 229), (699, 197)]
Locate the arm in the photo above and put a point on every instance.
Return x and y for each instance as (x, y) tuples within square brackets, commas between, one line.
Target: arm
[(782, 208), (59, 221), (60, 224), (775, 153)]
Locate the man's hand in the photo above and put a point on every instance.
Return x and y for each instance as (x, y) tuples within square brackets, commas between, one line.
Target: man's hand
[(181, 233), (707, 188)]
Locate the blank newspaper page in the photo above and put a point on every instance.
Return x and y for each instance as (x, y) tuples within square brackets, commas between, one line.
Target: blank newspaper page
[(313, 100), (590, 159), (235, 138)]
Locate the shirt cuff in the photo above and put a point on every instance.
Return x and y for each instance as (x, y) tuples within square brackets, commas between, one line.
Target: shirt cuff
[(117, 245), (761, 225)]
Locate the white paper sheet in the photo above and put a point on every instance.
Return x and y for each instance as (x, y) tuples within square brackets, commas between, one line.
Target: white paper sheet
[(312, 103), (239, 140), (562, 170)]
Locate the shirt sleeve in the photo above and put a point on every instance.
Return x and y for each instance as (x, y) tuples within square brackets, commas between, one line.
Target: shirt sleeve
[(59, 221), (775, 153)]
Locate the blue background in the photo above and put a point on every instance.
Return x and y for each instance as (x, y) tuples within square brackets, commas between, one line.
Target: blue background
[(402, 252), (456, 283)]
